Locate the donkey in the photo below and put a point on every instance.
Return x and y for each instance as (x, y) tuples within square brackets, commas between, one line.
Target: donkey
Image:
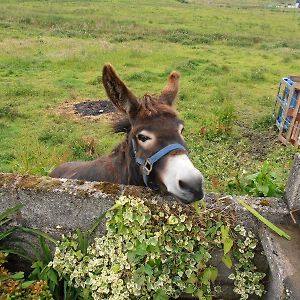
[(154, 152)]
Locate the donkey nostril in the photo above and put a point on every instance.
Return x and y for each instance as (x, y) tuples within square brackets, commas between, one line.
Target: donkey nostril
[(183, 185), (194, 187)]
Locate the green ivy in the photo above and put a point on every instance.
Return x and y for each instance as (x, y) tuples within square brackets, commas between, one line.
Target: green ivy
[(247, 279), (150, 251)]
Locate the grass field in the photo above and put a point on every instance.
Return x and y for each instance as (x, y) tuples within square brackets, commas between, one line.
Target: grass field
[(231, 55)]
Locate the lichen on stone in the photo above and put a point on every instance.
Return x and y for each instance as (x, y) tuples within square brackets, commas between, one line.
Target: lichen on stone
[(107, 188)]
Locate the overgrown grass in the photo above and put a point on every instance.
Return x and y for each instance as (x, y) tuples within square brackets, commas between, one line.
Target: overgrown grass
[(231, 56)]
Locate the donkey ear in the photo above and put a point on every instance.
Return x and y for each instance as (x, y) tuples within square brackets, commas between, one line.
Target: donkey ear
[(118, 92), (169, 93)]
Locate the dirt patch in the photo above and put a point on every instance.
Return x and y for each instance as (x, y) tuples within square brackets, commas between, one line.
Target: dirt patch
[(94, 108), (87, 109), (261, 141)]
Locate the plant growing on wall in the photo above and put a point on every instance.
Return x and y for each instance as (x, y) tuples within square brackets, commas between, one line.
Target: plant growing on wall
[(155, 252)]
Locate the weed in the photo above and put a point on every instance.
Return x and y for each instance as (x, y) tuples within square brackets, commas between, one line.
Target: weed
[(97, 81), (145, 76), (256, 74), (264, 183), (10, 112), (190, 65), (266, 100), (7, 157), (226, 115), (83, 149), (264, 122), (220, 94), (51, 137), (213, 68)]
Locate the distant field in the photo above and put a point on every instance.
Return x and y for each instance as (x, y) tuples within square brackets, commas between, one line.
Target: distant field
[(231, 57)]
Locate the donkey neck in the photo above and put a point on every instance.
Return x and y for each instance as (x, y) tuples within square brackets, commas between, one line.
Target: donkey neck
[(123, 160)]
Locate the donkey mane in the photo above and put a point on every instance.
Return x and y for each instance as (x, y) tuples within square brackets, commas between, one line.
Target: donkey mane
[(121, 125), (150, 106)]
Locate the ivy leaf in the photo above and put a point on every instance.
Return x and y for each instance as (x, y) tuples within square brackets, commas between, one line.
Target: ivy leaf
[(180, 227), (192, 278), (153, 241), (148, 270), (199, 255), (139, 277), (189, 290), (116, 268), (226, 259), (160, 295), (199, 294), (172, 220)]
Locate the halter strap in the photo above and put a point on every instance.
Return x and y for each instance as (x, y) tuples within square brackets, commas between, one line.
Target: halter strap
[(147, 164)]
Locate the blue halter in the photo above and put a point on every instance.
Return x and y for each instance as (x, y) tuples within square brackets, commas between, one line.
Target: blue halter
[(147, 164)]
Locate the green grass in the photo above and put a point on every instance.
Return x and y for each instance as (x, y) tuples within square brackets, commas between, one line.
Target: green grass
[(231, 55)]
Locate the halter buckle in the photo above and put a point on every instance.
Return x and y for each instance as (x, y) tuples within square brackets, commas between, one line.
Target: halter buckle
[(147, 167)]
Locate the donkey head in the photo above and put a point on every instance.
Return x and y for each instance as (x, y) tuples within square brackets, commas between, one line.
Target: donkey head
[(155, 137)]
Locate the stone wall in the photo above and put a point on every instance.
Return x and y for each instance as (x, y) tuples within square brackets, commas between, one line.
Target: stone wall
[(61, 205)]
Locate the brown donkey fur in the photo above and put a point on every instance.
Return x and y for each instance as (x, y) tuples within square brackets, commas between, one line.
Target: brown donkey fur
[(154, 115)]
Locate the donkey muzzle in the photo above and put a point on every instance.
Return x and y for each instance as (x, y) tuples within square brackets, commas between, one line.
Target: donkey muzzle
[(182, 179)]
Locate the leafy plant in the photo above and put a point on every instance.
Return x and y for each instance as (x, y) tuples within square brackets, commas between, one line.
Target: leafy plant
[(10, 112), (7, 233), (262, 183), (264, 122), (14, 285), (149, 252), (42, 269), (43, 281), (247, 279)]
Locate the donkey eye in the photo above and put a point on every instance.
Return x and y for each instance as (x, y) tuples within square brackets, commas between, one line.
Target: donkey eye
[(143, 138)]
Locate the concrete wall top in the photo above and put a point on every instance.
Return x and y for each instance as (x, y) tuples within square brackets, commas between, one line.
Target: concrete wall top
[(62, 205)]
